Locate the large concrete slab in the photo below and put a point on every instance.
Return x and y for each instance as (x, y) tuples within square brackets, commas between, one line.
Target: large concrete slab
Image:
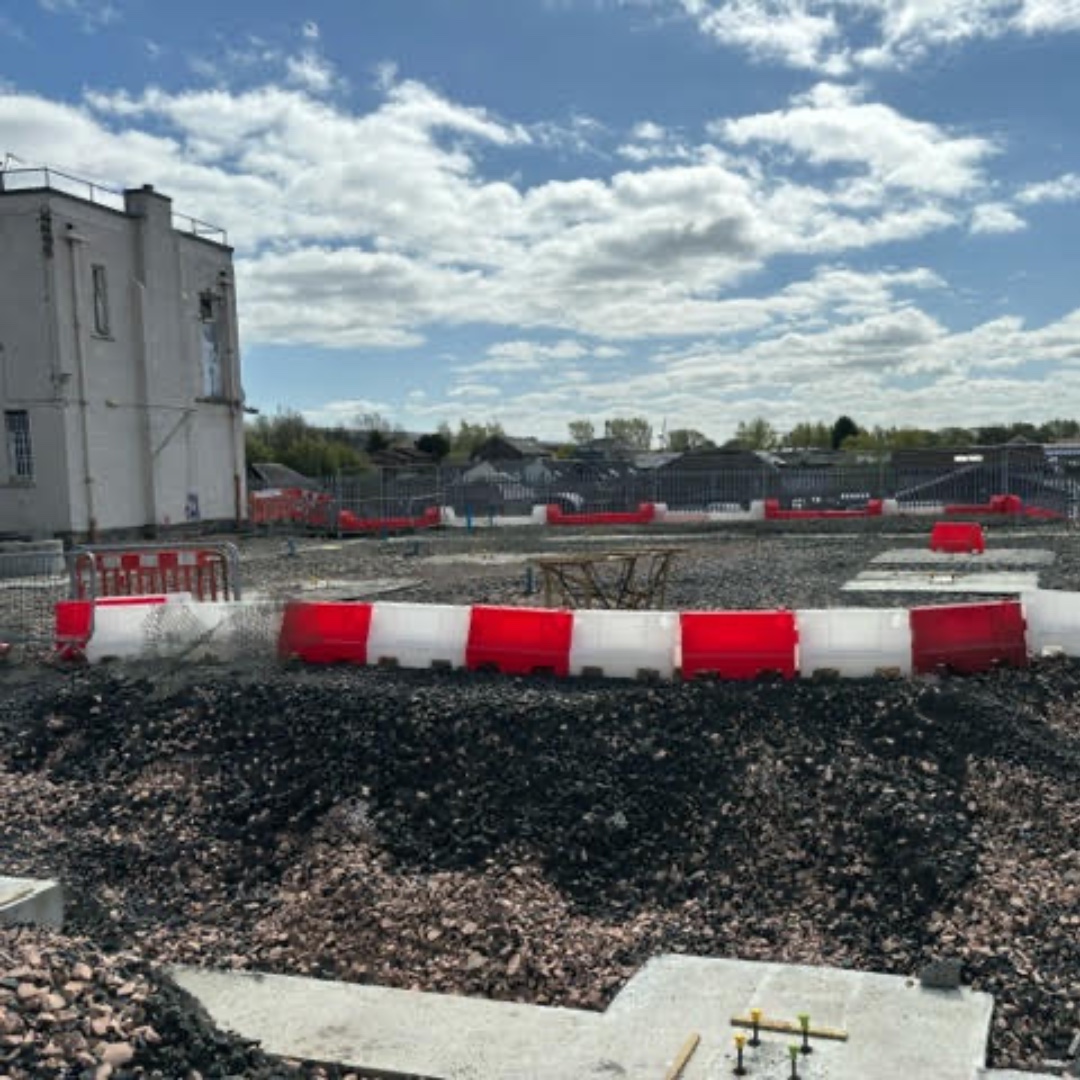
[(29, 900), (1014, 557), (896, 1030), (989, 582)]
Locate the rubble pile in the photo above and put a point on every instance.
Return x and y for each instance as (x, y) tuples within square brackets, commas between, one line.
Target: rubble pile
[(538, 840), (69, 1012)]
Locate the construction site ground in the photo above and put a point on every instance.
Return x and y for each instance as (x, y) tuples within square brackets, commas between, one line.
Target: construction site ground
[(533, 840)]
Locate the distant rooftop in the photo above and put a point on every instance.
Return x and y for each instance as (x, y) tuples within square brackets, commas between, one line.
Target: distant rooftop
[(36, 179)]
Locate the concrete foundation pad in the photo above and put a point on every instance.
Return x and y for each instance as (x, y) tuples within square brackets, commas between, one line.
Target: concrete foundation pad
[(896, 1030), (991, 557), (943, 581), (28, 900)]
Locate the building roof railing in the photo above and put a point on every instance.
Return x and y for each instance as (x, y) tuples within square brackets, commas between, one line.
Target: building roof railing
[(38, 177)]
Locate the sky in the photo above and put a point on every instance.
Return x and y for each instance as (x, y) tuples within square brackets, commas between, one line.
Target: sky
[(539, 211)]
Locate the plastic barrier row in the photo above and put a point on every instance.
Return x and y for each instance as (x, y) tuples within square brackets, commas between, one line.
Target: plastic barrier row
[(849, 642)]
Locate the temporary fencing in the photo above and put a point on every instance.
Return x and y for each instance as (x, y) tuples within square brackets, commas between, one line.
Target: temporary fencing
[(33, 578), (205, 571)]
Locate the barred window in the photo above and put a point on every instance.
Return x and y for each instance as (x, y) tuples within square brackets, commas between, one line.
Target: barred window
[(101, 301), (20, 451)]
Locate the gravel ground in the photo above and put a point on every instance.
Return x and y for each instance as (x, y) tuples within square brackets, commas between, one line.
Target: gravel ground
[(533, 840)]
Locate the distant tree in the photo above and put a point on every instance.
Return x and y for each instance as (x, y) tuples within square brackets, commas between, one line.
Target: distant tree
[(376, 440), (581, 431), (992, 435), (436, 445), (877, 442), (372, 421), (756, 434), (1058, 430), (289, 440), (633, 433), (809, 436), (471, 436), (843, 429), (683, 439)]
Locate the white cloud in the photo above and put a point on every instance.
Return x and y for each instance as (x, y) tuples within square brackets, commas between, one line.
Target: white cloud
[(835, 36), (376, 230), (311, 71), (830, 125), (1065, 188), (786, 30), (93, 15), (310, 30), (996, 218)]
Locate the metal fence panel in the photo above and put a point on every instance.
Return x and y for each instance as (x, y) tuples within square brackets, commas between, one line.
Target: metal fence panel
[(31, 584)]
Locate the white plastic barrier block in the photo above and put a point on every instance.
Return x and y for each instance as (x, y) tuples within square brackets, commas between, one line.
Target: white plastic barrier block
[(539, 515), (757, 510), (419, 635), (625, 644), (854, 642), (121, 625), (1053, 622), (660, 511), (889, 508)]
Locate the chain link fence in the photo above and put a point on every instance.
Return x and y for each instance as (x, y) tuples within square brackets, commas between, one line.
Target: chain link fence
[(396, 497)]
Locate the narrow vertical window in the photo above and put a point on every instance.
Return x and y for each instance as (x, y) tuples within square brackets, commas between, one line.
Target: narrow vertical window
[(20, 450), (101, 301), (212, 371)]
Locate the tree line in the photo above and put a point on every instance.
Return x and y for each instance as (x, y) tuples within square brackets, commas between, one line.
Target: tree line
[(288, 439)]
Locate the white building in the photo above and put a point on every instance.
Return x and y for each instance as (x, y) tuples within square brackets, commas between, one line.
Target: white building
[(119, 363)]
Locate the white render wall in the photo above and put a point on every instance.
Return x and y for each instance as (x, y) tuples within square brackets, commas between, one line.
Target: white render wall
[(123, 437)]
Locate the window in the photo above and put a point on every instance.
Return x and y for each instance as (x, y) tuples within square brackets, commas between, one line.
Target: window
[(101, 301), (213, 375), (20, 452)]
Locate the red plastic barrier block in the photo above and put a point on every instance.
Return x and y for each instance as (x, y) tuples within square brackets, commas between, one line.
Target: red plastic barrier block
[(968, 638), (738, 644), (325, 633), (957, 537), (875, 508), (1006, 504), (643, 515), (772, 508), (73, 626), (519, 641)]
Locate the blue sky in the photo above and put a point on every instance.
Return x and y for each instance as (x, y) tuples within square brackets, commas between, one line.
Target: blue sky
[(536, 211)]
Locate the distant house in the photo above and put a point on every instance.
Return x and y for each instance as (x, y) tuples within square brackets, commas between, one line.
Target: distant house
[(508, 448)]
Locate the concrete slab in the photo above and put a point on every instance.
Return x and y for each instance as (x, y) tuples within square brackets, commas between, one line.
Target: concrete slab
[(1015, 557), (896, 1030), (928, 581), (29, 900)]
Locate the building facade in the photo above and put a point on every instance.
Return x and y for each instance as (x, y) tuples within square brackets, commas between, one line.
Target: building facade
[(119, 364)]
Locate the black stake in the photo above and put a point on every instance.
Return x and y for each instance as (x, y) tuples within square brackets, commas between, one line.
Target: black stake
[(740, 1042), (793, 1051), (755, 1020)]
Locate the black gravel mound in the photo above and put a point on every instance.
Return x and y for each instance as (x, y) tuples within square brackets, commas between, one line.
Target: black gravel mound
[(539, 840)]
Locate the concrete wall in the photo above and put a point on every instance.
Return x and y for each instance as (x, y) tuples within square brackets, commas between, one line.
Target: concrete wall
[(31, 375), (132, 439)]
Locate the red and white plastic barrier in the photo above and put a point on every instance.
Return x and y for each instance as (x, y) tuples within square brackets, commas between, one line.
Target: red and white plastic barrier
[(850, 642)]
